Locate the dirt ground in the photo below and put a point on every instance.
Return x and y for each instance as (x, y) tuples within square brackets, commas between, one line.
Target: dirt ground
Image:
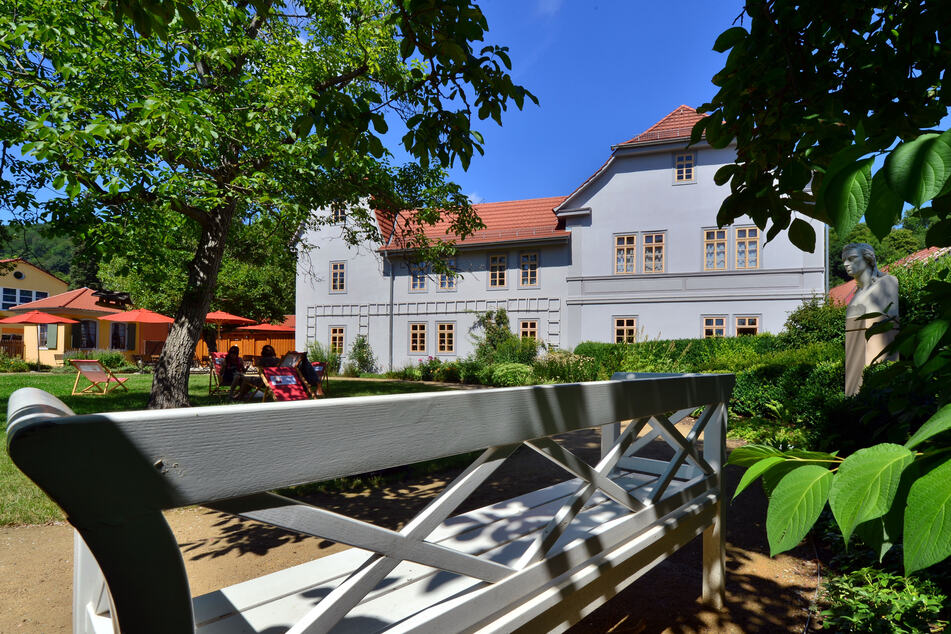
[(763, 594)]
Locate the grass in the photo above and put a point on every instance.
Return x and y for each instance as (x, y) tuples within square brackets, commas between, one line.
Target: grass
[(22, 502)]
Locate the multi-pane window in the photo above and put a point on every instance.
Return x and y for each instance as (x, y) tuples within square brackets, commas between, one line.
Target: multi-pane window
[(88, 333), (336, 339), (417, 338), (446, 338), (338, 215), (338, 277), (528, 328), (117, 337), (44, 332), (714, 249), (684, 167), (625, 253), (625, 330), (417, 281), (14, 296), (747, 248), (448, 282), (653, 252), (497, 264), (747, 326), (714, 327), (529, 263)]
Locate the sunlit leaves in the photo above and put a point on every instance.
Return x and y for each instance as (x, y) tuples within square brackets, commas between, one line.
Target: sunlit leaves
[(927, 529), (935, 425), (884, 206), (795, 505), (918, 170), (846, 194)]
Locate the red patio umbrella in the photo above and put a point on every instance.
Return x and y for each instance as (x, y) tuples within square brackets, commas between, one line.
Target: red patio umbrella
[(139, 316), (37, 318), (267, 328), (219, 317)]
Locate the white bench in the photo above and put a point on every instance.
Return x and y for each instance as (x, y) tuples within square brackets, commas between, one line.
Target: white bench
[(540, 561)]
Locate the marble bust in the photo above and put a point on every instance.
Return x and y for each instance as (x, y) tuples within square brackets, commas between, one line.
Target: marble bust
[(875, 292)]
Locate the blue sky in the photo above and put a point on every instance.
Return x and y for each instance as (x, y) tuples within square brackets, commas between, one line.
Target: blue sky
[(603, 71)]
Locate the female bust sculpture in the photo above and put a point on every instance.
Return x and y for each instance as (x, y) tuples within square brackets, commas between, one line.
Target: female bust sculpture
[(875, 292)]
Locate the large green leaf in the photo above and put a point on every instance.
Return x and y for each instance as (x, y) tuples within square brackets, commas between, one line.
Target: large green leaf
[(928, 338), (756, 471), (802, 235), (938, 423), (918, 170), (928, 519), (866, 483), (846, 194), (748, 455), (795, 505), (884, 206), (729, 38)]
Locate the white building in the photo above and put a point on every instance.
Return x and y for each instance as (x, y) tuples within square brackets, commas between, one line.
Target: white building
[(632, 251)]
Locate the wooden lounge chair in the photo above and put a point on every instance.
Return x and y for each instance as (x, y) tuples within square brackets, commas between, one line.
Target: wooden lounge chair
[(216, 366), (284, 384), (293, 359), (101, 378), (323, 385)]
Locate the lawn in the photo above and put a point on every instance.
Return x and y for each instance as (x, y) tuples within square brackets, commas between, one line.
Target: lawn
[(21, 502)]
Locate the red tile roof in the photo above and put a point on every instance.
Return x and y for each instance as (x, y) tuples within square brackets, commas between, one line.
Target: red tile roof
[(80, 299), (509, 221), (842, 294), (677, 125)]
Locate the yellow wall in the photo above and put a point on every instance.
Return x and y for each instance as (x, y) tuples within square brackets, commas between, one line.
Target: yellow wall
[(32, 279), (48, 356)]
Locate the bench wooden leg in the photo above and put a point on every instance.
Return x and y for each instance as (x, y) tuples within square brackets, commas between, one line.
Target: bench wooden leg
[(714, 562)]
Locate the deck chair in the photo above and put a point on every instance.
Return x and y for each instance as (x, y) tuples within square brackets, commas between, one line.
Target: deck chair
[(284, 384), (101, 378), (323, 385), (216, 365), (293, 359), (290, 359)]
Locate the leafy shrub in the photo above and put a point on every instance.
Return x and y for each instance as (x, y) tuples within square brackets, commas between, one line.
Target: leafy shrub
[(316, 351), (517, 350), (12, 364), (816, 320), (351, 370), (448, 373), (409, 373), (562, 366), (914, 302), (362, 354), (607, 357), (869, 600), (469, 370), (511, 374), (428, 367), (112, 359)]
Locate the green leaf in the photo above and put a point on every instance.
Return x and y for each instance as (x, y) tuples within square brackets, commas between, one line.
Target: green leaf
[(802, 235), (723, 175), (884, 206), (865, 485), (875, 536), (795, 505), (756, 471), (938, 423), (846, 194), (927, 538), (729, 38), (928, 338), (748, 455), (918, 170)]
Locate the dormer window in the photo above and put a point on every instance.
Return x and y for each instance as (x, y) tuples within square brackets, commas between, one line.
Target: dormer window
[(684, 163)]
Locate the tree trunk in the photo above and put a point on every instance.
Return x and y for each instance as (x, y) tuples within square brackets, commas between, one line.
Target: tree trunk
[(170, 384)]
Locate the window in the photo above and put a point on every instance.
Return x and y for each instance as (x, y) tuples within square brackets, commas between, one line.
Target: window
[(747, 326), (528, 329), (417, 338), (714, 327), (683, 167), (653, 252), (625, 253), (446, 333), (336, 339), (417, 279), (9, 298), (714, 250), (40, 295), (747, 248), (86, 334), (338, 215), (529, 263), (497, 265), (117, 337), (625, 330), (338, 277), (448, 282), (44, 334)]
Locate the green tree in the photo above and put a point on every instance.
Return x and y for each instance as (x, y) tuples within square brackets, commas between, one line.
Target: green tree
[(183, 125), (812, 92)]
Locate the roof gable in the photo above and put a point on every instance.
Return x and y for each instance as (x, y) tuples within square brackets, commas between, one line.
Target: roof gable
[(676, 125), (31, 265)]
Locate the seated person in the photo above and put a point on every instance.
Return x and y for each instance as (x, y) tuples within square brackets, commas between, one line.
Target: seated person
[(232, 370), (269, 359), (307, 370)]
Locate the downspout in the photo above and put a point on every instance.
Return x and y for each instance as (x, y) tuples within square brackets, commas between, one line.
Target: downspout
[(386, 256), (825, 265)]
